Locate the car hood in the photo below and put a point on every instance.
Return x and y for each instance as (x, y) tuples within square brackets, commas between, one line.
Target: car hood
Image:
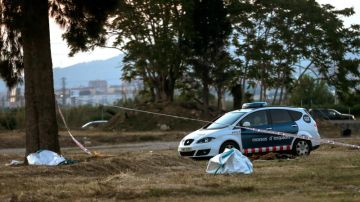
[(201, 133)]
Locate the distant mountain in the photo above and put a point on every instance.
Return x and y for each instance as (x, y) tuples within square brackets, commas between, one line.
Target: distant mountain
[(80, 74)]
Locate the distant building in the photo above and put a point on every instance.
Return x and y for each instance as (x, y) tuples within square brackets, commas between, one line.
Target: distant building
[(99, 85), (98, 92)]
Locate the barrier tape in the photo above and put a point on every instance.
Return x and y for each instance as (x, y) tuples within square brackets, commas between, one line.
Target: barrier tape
[(82, 147), (321, 140), (267, 149), (160, 114)]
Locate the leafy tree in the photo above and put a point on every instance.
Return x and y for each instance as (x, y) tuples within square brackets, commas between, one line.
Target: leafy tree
[(311, 92), (150, 34), (274, 37), (347, 82), (25, 46), (264, 56), (222, 76), (206, 33)]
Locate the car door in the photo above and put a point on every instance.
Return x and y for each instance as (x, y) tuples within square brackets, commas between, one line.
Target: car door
[(282, 121), (251, 140)]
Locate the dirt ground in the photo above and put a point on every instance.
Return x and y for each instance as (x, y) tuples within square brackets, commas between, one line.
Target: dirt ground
[(16, 139), (328, 174)]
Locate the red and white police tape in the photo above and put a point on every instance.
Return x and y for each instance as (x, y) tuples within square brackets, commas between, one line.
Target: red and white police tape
[(267, 149), (82, 147)]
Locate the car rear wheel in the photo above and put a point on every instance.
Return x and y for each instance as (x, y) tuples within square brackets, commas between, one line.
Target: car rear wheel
[(301, 147), (228, 145)]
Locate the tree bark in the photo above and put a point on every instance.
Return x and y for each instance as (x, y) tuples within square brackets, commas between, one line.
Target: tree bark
[(281, 94), (220, 93), (169, 87), (237, 96), (40, 110), (170, 84), (261, 90), (206, 97), (275, 95)]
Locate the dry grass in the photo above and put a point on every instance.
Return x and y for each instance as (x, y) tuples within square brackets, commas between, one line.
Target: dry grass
[(328, 174)]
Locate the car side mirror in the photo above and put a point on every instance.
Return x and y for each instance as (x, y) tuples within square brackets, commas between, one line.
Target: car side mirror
[(246, 124)]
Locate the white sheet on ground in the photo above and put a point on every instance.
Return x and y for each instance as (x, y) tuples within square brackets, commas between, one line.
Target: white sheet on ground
[(45, 157), (230, 161)]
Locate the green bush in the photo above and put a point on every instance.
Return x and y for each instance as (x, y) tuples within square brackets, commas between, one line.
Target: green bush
[(310, 92), (11, 119)]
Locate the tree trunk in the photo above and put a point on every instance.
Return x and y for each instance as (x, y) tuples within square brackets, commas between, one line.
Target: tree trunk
[(237, 96), (206, 96), (219, 92), (223, 101), (152, 93), (204, 69), (264, 93), (281, 95), (261, 90), (243, 91), (40, 108), (275, 96), (169, 86)]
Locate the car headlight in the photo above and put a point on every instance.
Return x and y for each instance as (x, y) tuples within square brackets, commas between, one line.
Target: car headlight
[(205, 140)]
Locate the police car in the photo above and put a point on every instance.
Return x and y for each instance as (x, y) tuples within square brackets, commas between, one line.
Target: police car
[(232, 131)]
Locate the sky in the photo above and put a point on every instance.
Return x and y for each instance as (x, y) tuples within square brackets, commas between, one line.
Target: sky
[(60, 50)]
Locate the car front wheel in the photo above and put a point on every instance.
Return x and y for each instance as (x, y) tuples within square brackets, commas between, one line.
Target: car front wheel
[(228, 145), (301, 147)]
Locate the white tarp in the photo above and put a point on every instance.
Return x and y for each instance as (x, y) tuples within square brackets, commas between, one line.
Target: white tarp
[(230, 161), (45, 157)]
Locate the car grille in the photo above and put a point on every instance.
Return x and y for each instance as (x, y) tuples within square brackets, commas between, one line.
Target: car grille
[(188, 141), (189, 153)]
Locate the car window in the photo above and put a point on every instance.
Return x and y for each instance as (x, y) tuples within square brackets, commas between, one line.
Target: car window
[(334, 112), (280, 116), (258, 118), (295, 115), (225, 120)]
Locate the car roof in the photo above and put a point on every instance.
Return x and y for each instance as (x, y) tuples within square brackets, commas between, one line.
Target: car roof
[(275, 107)]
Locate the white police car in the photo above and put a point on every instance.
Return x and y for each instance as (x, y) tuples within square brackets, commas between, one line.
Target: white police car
[(228, 132)]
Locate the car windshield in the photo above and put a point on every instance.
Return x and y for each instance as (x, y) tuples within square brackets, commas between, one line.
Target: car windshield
[(336, 112), (225, 120)]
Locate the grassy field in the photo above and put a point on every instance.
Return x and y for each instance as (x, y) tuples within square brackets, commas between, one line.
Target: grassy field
[(328, 174)]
